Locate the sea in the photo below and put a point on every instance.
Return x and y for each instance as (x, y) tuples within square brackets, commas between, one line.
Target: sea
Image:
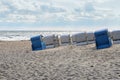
[(26, 35)]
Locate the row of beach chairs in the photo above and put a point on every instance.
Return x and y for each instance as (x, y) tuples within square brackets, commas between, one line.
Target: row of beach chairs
[(62, 40), (52, 41)]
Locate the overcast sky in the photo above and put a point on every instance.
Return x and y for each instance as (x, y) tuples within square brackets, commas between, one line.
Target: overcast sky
[(59, 14)]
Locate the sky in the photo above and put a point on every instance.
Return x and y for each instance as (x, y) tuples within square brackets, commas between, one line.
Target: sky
[(59, 14)]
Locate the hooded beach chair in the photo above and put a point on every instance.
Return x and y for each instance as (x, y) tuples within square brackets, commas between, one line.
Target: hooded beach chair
[(64, 40), (37, 43), (102, 39), (79, 39), (90, 38), (50, 41), (116, 36)]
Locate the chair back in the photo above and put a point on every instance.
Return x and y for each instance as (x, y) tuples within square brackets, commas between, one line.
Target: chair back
[(102, 39), (37, 43), (115, 35), (51, 41), (65, 39)]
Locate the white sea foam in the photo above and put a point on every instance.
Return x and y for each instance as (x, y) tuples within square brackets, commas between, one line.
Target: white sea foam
[(26, 35)]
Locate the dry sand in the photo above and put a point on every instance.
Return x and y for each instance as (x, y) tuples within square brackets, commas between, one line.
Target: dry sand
[(18, 62)]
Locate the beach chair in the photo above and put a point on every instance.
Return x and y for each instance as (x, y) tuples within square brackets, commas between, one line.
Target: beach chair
[(102, 39), (37, 43), (50, 41), (90, 38), (64, 40), (79, 39), (116, 36)]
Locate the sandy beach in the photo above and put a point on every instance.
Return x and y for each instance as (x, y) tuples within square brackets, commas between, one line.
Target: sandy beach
[(19, 62)]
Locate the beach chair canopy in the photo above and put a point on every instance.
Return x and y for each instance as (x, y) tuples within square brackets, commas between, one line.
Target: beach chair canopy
[(37, 43), (79, 37), (65, 38), (102, 39), (50, 41), (90, 36), (115, 35)]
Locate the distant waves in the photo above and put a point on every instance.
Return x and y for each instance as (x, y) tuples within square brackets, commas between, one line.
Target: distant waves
[(25, 35)]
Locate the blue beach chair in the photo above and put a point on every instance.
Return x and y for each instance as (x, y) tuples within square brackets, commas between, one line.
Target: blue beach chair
[(37, 43), (102, 39)]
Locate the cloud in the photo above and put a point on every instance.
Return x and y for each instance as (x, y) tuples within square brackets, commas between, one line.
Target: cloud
[(51, 9), (60, 12)]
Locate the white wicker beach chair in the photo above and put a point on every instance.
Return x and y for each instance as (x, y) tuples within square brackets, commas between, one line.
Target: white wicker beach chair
[(79, 39), (90, 38), (50, 41), (65, 40), (116, 36)]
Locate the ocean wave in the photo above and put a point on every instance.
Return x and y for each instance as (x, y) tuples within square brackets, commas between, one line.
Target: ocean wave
[(26, 35)]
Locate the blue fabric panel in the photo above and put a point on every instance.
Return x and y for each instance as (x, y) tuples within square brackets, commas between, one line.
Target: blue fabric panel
[(101, 32), (37, 43), (35, 38), (103, 46), (102, 39), (38, 46)]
